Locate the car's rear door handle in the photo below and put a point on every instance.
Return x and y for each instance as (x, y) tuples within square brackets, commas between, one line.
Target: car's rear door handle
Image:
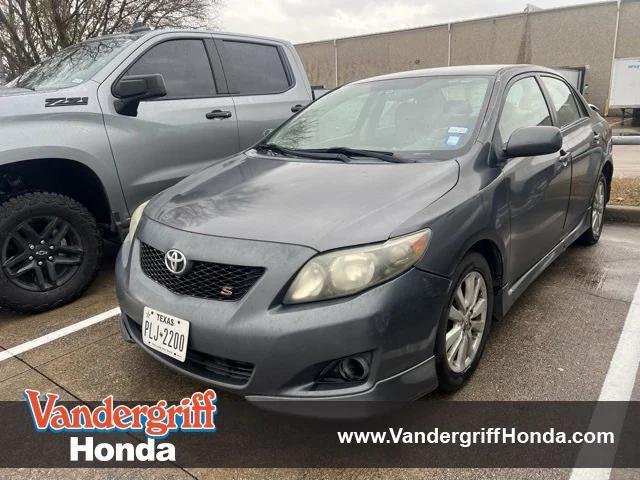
[(297, 108), (218, 114), (596, 139)]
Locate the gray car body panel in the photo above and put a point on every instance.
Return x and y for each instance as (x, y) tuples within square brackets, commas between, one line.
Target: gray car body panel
[(136, 157), (279, 212)]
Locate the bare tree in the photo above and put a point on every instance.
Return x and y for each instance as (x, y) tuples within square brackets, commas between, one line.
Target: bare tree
[(31, 30)]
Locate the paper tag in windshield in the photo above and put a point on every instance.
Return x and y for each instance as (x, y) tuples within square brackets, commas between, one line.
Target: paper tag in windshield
[(458, 130), (452, 140)]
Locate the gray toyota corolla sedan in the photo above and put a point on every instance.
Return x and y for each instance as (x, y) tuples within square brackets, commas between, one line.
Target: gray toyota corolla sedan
[(362, 250)]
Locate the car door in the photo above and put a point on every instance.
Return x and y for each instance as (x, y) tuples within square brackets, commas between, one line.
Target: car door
[(580, 142), (263, 84), (175, 135), (539, 186)]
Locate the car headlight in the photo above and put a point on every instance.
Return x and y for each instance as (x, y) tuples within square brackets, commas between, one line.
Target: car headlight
[(348, 271), (135, 220)]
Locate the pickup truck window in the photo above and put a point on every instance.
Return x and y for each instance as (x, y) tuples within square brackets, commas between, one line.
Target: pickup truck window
[(254, 68), (183, 64), (73, 65)]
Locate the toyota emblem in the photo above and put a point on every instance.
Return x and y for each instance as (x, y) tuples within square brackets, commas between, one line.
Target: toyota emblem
[(176, 262)]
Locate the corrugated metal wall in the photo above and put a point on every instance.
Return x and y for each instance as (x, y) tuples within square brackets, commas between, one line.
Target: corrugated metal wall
[(578, 36)]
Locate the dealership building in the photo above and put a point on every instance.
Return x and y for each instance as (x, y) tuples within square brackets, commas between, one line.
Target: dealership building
[(593, 45)]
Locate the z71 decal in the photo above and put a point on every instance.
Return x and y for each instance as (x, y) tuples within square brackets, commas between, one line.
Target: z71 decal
[(65, 102)]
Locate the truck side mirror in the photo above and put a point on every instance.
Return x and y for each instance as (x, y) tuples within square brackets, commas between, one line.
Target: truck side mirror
[(532, 141), (132, 89)]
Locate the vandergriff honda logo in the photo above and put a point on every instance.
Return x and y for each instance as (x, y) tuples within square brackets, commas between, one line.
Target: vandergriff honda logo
[(157, 421)]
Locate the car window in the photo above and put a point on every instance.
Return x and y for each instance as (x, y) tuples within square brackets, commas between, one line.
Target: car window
[(563, 101), (184, 65), (524, 106), (421, 117), (253, 68), (342, 120)]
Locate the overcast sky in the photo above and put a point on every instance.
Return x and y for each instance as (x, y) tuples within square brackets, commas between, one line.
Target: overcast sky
[(309, 20)]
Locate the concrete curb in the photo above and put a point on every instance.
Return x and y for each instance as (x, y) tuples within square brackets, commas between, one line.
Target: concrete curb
[(620, 213)]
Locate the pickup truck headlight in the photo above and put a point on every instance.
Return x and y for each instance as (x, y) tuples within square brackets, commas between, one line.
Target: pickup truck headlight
[(135, 220), (348, 271)]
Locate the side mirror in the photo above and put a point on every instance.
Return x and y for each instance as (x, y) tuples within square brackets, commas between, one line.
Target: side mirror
[(594, 108), (532, 141), (130, 90)]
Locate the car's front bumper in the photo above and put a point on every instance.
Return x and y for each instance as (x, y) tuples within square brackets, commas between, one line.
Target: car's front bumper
[(289, 345)]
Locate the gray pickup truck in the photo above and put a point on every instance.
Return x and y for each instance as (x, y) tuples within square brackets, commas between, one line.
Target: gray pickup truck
[(100, 127)]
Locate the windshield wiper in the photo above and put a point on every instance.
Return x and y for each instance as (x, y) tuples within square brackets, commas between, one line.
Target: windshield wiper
[(290, 152), (354, 152)]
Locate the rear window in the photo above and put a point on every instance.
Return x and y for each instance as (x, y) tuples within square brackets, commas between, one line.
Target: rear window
[(563, 101), (254, 68)]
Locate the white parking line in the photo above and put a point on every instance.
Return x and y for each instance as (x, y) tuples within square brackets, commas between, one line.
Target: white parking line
[(50, 337), (619, 382)]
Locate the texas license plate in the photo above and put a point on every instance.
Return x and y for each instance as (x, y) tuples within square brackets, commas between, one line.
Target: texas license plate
[(165, 333)]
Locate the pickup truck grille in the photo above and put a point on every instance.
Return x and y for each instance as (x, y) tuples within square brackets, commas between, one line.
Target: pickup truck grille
[(213, 281)]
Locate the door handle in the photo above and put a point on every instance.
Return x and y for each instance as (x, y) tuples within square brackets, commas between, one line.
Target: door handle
[(596, 139), (297, 108), (218, 114)]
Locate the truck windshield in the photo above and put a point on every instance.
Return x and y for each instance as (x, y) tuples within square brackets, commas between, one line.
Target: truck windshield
[(412, 118), (73, 65)]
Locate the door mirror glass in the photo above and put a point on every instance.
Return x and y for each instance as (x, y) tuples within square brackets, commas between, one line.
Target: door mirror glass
[(130, 90), (532, 141)]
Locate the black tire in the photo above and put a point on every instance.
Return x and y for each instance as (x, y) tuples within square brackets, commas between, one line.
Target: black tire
[(75, 257), (449, 380), (592, 235)]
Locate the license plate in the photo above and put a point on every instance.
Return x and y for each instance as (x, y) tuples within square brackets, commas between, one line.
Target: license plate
[(165, 333)]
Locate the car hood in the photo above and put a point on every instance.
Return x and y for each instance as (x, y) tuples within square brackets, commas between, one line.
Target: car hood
[(322, 205), (6, 91)]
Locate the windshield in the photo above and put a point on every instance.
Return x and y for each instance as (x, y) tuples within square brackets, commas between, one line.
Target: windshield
[(73, 65), (421, 117)]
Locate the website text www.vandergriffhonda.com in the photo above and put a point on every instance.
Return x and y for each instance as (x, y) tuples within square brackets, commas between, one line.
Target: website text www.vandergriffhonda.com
[(466, 439)]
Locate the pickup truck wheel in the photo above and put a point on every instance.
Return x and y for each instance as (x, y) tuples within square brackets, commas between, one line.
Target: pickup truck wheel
[(50, 251)]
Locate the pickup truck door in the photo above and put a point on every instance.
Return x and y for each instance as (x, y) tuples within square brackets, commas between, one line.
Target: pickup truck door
[(267, 82), (176, 135), (539, 186)]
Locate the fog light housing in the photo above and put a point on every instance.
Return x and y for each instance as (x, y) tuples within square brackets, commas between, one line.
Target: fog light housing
[(350, 370), (353, 369)]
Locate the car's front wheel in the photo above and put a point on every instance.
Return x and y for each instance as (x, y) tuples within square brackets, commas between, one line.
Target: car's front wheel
[(50, 250), (465, 322)]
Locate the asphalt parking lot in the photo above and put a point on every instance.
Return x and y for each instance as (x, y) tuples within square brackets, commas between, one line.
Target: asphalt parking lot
[(557, 343)]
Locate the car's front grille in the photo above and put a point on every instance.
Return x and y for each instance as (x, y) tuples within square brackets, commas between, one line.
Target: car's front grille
[(214, 281), (233, 372)]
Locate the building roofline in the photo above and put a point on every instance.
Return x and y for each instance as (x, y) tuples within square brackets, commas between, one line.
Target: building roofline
[(469, 20)]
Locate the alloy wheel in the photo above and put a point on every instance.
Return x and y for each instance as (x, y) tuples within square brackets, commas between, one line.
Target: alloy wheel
[(597, 208), (41, 253), (466, 322)]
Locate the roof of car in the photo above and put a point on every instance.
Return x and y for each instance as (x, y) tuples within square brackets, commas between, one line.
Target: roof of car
[(159, 31), (459, 70)]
